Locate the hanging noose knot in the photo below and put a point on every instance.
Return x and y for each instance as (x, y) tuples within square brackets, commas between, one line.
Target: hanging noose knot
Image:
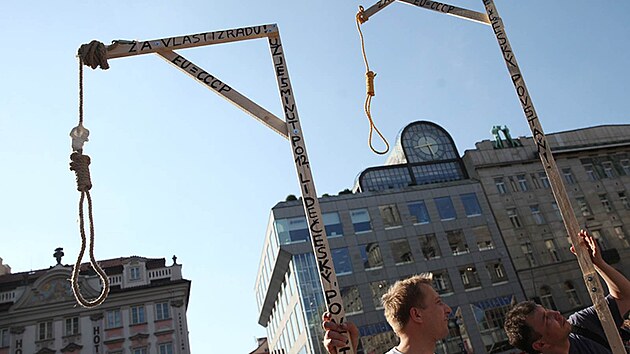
[(94, 54), (369, 82), (80, 164)]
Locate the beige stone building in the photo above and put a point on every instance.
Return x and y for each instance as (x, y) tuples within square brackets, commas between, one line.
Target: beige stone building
[(595, 165), (145, 312)]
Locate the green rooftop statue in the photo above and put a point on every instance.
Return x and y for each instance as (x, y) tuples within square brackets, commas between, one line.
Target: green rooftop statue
[(498, 143)]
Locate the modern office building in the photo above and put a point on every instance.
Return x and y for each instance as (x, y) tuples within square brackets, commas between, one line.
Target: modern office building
[(419, 213), (595, 165), (145, 312)]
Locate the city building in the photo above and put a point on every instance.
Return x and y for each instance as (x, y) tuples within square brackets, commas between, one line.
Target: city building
[(145, 312), (418, 213), (595, 166)]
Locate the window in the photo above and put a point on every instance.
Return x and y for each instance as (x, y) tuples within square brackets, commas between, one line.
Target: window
[(483, 237), (471, 204), (546, 299), (44, 330), (536, 215), (419, 213), (72, 326), (401, 252), (513, 216), (4, 337), (490, 315), (441, 282), (469, 276), (360, 220), (137, 314), (609, 171), (572, 295), (528, 252), (603, 198), (622, 236), (535, 181), (445, 208), (134, 273), (556, 210), (625, 165), (496, 272), (568, 176), (371, 256), (554, 256), (457, 242), (162, 311), (165, 348), (601, 241), (500, 185), (544, 180), (341, 260), (522, 182), (390, 215), (292, 230), (351, 300), (430, 247), (584, 209), (591, 172), (513, 184), (624, 199), (139, 351), (113, 319), (379, 288), (332, 224)]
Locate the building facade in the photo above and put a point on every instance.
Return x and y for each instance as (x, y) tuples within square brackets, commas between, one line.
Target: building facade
[(145, 312), (418, 213), (595, 165)]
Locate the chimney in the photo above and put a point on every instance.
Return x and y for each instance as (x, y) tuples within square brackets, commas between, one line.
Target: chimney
[(4, 268)]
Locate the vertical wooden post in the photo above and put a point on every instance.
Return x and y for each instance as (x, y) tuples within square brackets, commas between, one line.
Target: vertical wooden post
[(591, 278), (321, 250)]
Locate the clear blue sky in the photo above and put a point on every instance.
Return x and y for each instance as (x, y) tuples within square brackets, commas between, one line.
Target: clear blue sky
[(178, 170)]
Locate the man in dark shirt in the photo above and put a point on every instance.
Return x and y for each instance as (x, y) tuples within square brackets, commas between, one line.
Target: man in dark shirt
[(535, 329)]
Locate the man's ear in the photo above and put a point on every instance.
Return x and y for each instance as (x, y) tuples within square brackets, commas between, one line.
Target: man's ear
[(415, 315), (539, 345)]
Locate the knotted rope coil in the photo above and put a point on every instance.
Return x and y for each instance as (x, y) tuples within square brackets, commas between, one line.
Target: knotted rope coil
[(369, 83), (80, 165), (94, 54)]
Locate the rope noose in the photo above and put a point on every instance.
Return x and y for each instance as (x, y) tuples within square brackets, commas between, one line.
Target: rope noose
[(80, 165), (369, 83)]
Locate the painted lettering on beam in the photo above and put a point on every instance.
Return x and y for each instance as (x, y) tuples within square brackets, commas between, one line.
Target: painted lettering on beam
[(174, 42), (434, 5), (201, 75), (497, 27)]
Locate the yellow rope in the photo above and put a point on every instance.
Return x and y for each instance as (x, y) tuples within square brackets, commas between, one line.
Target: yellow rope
[(369, 83), (80, 165)]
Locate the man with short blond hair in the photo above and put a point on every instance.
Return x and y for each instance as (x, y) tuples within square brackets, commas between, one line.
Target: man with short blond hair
[(413, 309)]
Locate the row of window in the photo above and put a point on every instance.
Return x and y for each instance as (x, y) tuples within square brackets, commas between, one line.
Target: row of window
[(594, 172), (372, 257), (547, 300), (163, 348), (113, 318), (296, 229), (441, 282)]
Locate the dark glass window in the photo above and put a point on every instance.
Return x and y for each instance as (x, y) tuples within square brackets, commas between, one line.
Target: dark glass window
[(385, 178), (419, 212), (341, 260), (292, 230), (360, 220), (371, 255), (401, 252), (437, 172), (333, 224), (471, 204), (445, 208)]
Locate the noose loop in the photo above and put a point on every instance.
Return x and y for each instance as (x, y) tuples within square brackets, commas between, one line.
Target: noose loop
[(80, 165), (369, 84)]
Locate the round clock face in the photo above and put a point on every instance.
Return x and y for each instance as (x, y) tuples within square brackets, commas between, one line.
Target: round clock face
[(427, 146)]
